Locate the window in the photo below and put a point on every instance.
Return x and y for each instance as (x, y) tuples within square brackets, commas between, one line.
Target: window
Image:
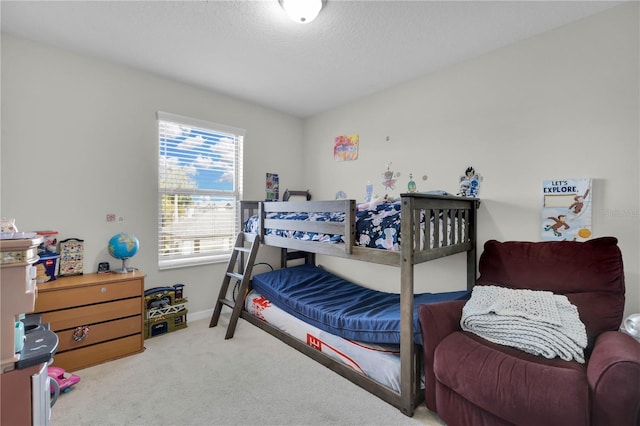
[(199, 184)]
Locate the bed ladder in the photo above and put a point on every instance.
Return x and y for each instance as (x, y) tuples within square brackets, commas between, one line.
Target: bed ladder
[(243, 276)]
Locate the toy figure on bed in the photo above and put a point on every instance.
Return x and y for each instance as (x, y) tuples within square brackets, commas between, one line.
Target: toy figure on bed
[(470, 183)]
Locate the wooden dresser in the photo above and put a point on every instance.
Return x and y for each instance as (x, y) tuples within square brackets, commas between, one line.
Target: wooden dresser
[(97, 317)]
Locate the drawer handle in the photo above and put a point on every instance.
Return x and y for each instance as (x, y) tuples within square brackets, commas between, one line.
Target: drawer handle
[(80, 333)]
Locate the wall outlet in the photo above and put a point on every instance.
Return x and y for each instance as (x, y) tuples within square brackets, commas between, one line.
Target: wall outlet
[(111, 217)]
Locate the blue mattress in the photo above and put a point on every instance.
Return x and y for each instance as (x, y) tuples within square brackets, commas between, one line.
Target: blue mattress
[(340, 307)]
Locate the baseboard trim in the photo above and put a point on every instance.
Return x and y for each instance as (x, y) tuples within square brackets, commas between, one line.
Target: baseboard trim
[(195, 316)]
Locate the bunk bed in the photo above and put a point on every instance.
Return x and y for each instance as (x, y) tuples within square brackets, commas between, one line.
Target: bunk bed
[(431, 226)]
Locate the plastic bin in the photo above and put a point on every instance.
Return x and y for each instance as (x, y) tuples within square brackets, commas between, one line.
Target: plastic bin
[(47, 267)]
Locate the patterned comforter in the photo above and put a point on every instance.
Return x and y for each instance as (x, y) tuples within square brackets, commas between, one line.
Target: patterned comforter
[(375, 228)]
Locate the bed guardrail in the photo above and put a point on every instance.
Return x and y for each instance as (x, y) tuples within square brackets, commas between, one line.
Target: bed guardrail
[(439, 226)]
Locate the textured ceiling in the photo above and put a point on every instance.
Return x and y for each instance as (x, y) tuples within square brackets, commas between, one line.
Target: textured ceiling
[(250, 50)]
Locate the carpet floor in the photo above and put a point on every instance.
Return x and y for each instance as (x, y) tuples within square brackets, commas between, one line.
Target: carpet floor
[(194, 377)]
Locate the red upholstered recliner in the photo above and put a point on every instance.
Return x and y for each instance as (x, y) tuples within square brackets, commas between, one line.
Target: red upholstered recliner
[(471, 381)]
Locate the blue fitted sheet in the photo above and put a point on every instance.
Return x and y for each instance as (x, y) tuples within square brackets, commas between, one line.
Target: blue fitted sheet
[(341, 307)]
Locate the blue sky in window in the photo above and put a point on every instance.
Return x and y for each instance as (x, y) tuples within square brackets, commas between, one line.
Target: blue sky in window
[(206, 157)]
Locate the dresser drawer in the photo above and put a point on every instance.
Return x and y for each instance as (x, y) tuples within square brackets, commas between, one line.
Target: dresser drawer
[(83, 295), (111, 306), (98, 333), (95, 354), (92, 314)]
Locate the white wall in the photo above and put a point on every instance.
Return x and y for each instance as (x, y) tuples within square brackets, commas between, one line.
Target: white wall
[(79, 140), (560, 105)]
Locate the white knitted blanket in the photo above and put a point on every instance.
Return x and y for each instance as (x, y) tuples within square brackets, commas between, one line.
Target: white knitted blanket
[(537, 322)]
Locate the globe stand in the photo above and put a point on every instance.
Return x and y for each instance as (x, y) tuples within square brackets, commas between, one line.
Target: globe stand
[(124, 269)]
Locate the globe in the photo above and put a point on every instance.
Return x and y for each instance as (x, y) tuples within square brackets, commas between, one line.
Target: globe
[(123, 246)]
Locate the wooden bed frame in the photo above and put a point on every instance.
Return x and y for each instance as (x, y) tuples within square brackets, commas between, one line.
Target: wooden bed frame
[(443, 208)]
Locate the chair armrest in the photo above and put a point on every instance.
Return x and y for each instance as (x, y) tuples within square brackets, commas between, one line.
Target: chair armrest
[(613, 373), (437, 321)]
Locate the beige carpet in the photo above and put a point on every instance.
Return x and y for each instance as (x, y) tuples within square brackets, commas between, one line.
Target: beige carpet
[(194, 377)]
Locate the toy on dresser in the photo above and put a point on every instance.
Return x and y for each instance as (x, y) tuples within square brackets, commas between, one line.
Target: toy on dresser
[(165, 310)]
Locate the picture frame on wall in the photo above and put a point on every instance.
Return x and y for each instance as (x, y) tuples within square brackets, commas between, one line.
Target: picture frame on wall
[(567, 209)]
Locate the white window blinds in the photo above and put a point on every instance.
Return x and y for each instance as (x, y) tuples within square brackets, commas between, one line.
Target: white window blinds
[(199, 184)]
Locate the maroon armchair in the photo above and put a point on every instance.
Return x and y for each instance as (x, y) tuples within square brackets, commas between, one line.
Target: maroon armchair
[(471, 381)]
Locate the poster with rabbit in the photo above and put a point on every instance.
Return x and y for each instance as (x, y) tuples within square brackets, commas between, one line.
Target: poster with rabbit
[(566, 209)]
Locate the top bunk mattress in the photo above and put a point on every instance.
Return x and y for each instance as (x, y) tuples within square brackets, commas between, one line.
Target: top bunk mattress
[(341, 307)]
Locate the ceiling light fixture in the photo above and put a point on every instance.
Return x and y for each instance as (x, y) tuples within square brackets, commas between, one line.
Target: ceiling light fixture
[(302, 11)]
